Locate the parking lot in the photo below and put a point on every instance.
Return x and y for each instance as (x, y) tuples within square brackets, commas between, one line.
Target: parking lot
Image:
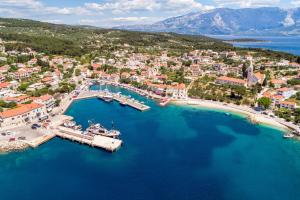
[(22, 133)]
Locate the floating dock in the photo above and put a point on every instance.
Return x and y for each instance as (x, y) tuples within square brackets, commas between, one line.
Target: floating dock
[(106, 143)]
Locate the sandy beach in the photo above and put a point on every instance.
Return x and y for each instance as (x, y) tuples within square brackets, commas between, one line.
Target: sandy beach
[(244, 110)]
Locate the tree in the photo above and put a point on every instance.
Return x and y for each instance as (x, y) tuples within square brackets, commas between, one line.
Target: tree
[(23, 87), (77, 72), (298, 96), (264, 102), (244, 71)]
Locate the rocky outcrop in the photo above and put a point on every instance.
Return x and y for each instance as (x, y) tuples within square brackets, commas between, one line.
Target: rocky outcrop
[(12, 146)]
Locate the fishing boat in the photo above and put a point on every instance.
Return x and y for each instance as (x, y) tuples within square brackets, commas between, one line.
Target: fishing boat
[(96, 129), (69, 124), (108, 98), (111, 133), (164, 102)]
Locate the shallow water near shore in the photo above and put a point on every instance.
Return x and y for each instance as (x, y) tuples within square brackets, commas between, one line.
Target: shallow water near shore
[(173, 152)]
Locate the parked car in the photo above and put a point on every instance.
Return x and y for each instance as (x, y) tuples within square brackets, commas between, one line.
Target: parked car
[(22, 138), (35, 126)]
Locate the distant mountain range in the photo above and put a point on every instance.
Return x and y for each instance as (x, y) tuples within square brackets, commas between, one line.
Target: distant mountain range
[(225, 21)]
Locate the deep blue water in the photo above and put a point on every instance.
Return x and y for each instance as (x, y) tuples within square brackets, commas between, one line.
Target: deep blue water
[(168, 153), (290, 44)]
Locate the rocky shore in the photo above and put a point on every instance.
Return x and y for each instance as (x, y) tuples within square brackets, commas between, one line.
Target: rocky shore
[(13, 146)]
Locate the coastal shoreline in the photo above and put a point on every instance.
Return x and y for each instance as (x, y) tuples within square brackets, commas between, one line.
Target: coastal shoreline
[(15, 146), (245, 111), (252, 117)]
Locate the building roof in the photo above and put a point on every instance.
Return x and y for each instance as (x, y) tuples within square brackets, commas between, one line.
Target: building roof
[(278, 81), (4, 85), (259, 75), (16, 99), (230, 79), (285, 89), (45, 97), (288, 103), (20, 110)]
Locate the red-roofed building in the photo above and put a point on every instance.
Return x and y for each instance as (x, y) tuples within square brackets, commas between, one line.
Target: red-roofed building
[(231, 81), (278, 83), (46, 100), (19, 99), (4, 85), (22, 114), (288, 105), (177, 91), (22, 73)]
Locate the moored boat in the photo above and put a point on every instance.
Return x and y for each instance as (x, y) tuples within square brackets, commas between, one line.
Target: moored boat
[(288, 135), (123, 103)]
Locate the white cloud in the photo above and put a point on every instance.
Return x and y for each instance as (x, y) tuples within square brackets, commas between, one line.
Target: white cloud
[(68, 11), (296, 3), (117, 21), (37, 7), (129, 19), (246, 3), (21, 3), (288, 21), (124, 5)]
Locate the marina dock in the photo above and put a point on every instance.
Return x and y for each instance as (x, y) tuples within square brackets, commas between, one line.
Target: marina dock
[(125, 100), (106, 143)]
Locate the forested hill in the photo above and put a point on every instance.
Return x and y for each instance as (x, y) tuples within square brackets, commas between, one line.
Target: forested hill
[(77, 40)]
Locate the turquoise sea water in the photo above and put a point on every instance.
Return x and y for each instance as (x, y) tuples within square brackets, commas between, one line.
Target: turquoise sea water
[(168, 153), (290, 44)]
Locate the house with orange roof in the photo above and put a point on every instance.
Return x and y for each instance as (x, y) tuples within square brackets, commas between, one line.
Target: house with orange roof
[(231, 81), (22, 73), (47, 80), (286, 92), (177, 91), (278, 82), (291, 105), (22, 114), (4, 85), (17, 99), (276, 99), (125, 75), (47, 100)]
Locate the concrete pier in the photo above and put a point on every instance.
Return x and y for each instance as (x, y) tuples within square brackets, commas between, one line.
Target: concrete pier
[(40, 140), (106, 143)]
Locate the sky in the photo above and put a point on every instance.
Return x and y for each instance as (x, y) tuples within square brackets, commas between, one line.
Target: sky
[(111, 13)]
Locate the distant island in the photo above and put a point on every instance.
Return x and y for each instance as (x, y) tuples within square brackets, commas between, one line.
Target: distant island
[(245, 40)]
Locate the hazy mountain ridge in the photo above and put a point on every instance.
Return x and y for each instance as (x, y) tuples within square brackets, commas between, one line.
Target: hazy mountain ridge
[(225, 21)]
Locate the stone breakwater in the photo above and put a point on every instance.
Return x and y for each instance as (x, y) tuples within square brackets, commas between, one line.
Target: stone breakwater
[(12, 146)]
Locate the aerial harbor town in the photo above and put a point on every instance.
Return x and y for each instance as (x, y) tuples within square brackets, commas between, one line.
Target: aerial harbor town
[(150, 99), (36, 89)]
